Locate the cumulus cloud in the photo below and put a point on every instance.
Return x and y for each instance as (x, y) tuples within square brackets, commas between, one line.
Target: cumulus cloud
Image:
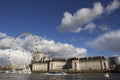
[(90, 27), (61, 49), (3, 58), (113, 6), (5, 42), (17, 57), (76, 22), (108, 41), (104, 28), (28, 46), (2, 35)]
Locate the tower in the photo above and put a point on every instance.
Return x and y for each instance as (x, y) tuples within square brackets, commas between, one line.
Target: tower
[(38, 56)]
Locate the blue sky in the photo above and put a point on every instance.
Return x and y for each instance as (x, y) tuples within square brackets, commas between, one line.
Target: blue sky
[(80, 23)]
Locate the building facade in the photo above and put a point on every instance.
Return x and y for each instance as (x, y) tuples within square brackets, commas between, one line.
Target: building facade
[(99, 63), (115, 63), (90, 63), (40, 66)]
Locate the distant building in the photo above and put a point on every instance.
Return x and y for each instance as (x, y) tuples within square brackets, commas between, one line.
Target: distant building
[(39, 63), (38, 56), (99, 63), (115, 63), (7, 67), (57, 64), (93, 63), (40, 66)]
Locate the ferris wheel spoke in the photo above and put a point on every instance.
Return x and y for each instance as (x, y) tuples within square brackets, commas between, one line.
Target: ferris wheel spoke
[(18, 47)]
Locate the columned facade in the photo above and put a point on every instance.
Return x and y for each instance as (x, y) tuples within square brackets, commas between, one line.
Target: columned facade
[(40, 66), (57, 64), (93, 63), (72, 64)]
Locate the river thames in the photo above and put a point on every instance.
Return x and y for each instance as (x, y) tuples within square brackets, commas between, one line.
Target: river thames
[(81, 76)]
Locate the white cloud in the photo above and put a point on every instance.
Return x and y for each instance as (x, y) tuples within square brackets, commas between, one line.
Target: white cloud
[(108, 41), (76, 22), (90, 27), (3, 58), (113, 6), (18, 57), (2, 35), (50, 47), (62, 49), (104, 27), (5, 43)]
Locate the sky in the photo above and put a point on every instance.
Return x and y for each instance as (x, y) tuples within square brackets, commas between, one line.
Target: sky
[(72, 28)]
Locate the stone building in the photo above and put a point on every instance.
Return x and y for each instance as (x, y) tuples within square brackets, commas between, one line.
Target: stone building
[(115, 63), (41, 64), (90, 63), (57, 64), (38, 56)]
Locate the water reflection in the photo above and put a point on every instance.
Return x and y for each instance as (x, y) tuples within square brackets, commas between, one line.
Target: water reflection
[(83, 76)]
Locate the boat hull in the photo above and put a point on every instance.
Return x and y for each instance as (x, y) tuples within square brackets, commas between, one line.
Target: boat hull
[(55, 73)]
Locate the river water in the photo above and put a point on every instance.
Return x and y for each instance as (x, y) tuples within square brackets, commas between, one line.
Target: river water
[(81, 76)]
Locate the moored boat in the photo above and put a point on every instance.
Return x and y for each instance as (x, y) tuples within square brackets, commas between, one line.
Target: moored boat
[(107, 76), (55, 73)]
